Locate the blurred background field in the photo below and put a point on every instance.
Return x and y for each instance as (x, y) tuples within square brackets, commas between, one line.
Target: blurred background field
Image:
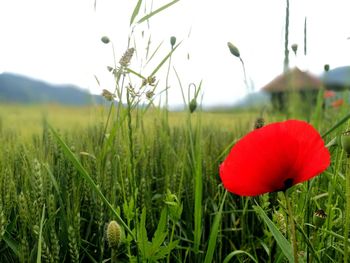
[(27, 120)]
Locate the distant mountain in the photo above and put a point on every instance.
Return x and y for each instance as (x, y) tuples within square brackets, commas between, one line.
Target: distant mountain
[(254, 99), (20, 89)]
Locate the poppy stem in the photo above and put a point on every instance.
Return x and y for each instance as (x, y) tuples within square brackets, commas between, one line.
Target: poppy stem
[(292, 227)]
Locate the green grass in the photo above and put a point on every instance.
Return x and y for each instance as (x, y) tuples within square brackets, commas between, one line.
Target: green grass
[(152, 189), (66, 172)]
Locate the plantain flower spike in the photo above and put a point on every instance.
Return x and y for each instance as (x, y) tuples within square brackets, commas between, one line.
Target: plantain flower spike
[(113, 234)]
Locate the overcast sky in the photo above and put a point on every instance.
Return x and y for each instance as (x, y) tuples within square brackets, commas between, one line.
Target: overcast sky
[(59, 41)]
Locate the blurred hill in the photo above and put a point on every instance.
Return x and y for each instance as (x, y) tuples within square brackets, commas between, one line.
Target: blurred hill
[(254, 99), (20, 89)]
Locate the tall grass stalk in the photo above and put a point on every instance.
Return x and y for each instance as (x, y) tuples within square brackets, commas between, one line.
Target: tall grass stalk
[(85, 175), (347, 210), (292, 226)]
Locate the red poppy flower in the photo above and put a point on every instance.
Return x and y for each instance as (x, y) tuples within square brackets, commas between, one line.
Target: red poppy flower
[(337, 103), (274, 158), (328, 94)]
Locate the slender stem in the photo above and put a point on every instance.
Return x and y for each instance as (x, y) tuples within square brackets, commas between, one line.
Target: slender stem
[(245, 76), (347, 214), (114, 256), (286, 33), (313, 242), (171, 239), (292, 227)]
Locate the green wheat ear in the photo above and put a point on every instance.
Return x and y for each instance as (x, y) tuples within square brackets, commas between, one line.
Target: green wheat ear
[(113, 234)]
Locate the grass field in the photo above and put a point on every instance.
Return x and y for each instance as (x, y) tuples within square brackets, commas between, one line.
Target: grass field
[(157, 176), (130, 183)]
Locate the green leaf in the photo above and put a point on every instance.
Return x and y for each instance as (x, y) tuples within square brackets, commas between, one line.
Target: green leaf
[(214, 233), (142, 235), (157, 11), (136, 11), (164, 60), (238, 252), (160, 234), (12, 244), (154, 52), (282, 242), (135, 73), (343, 120), (164, 251), (198, 198), (38, 257), (85, 175)]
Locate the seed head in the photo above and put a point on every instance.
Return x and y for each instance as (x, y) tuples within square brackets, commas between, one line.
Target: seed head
[(126, 58), (113, 234), (149, 94), (108, 95), (233, 49), (151, 80)]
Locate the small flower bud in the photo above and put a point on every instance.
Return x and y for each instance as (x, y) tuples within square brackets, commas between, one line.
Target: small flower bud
[(172, 41), (295, 48), (193, 105), (326, 67), (113, 234), (345, 141), (105, 39), (233, 49), (319, 218)]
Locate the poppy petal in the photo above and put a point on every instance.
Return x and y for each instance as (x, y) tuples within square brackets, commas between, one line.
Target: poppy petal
[(273, 158)]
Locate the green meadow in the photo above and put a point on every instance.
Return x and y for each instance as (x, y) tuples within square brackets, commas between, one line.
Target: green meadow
[(65, 175), (135, 182)]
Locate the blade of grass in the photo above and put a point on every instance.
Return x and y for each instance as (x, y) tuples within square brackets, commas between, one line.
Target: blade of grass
[(38, 256), (344, 119), (157, 11), (317, 116), (198, 181), (181, 88), (214, 232), (164, 60), (12, 244), (135, 73), (282, 242), (85, 175), (238, 252), (153, 54), (136, 11)]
